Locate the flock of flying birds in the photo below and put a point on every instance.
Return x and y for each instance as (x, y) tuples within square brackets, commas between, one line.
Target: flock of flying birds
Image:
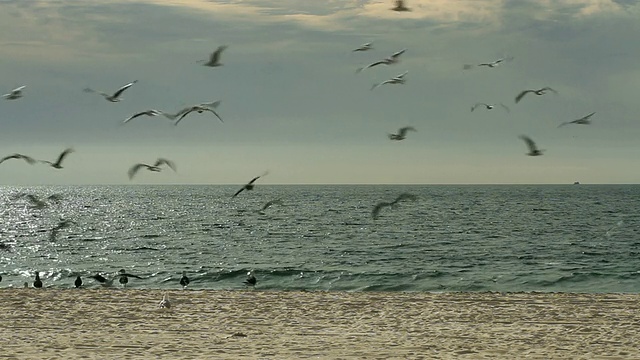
[(211, 107)]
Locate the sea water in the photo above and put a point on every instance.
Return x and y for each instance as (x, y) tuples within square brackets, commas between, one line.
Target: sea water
[(566, 238)]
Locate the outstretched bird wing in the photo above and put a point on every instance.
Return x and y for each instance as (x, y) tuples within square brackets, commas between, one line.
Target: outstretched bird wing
[(63, 155), (522, 94), (215, 56), (122, 89), (167, 162), (134, 169), (530, 144), (403, 131)]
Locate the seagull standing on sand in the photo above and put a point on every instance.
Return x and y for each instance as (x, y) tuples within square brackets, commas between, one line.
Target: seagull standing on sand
[(164, 303), (78, 281), (58, 163), (155, 167), (364, 47), (402, 133), (26, 158), (249, 185), (490, 106), (533, 149), (404, 196), (214, 58), (37, 283), (400, 6), (398, 79), (184, 280), (151, 112), (537, 92), (116, 96), (393, 59), (582, 121), (14, 94), (251, 279)]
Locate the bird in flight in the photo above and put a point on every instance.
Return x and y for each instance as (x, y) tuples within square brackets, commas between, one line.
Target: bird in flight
[(400, 6), (270, 203), (58, 163), (62, 224), (26, 158), (537, 92), (36, 202), (394, 58), (249, 185), (404, 196), (364, 47), (402, 133), (198, 109), (211, 105), (151, 112), (14, 94), (398, 79), (491, 64), (214, 58), (582, 121), (490, 106), (531, 145), (116, 95), (155, 167)]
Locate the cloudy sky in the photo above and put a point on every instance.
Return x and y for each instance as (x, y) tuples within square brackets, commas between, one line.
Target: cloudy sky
[(293, 104)]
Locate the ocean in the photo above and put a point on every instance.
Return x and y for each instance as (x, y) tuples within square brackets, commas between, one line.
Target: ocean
[(463, 238)]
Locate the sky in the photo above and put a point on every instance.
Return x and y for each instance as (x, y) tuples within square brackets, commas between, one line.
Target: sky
[(293, 104)]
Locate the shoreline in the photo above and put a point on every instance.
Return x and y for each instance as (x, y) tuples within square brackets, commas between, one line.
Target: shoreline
[(256, 324)]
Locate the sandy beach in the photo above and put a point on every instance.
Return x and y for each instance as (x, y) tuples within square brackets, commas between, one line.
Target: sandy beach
[(127, 324)]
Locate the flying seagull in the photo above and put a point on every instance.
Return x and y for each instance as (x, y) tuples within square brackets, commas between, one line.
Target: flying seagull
[(400, 6), (36, 202), (490, 106), (537, 92), (491, 64), (37, 283), (116, 96), (184, 280), (108, 282), (364, 47), (582, 121), (398, 79), (270, 203), (199, 109), (62, 224), (14, 94), (404, 196), (155, 167), (211, 105), (58, 163), (151, 112), (214, 59), (26, 158), (249, 185), (394, 58), (402, 133), (251, 279), (164, 303), (533, 149)]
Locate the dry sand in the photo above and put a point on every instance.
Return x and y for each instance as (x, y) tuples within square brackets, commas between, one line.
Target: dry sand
[(127, 324)]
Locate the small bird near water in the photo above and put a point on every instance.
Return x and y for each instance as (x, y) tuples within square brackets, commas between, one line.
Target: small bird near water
[(184, 280), (37, 283), (251, 279)]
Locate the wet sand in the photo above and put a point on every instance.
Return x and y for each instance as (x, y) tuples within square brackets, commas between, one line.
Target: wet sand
[(127, 324)]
